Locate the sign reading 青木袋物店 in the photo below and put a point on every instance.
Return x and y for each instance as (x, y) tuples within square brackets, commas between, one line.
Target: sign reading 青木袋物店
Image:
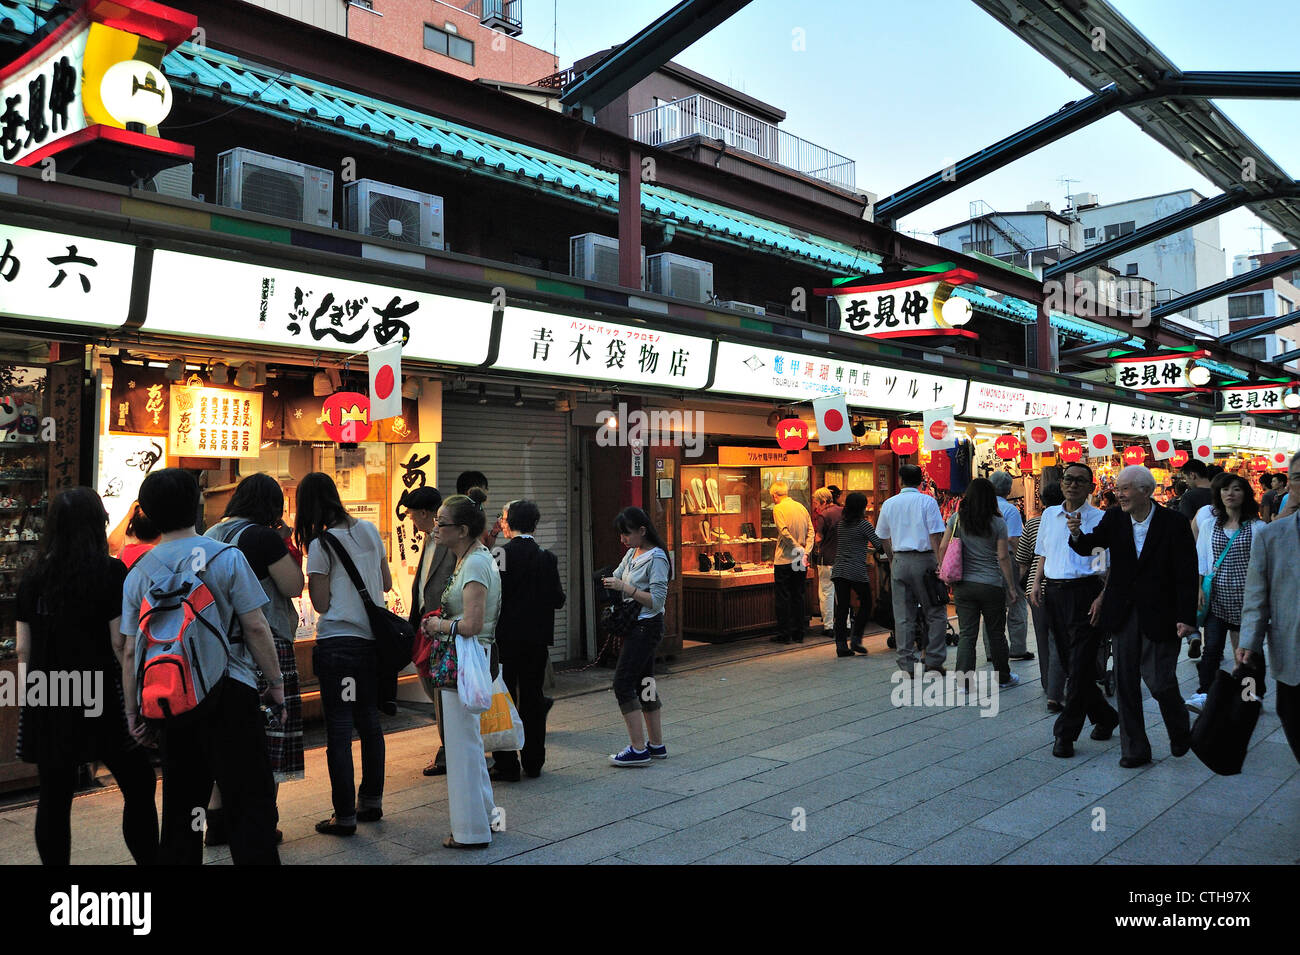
[(1156, 373), (548, 343), (783, 375), (64, 279), (898, 304), (1007, 402), (1257, 399), (200, 297), (1126, 419)]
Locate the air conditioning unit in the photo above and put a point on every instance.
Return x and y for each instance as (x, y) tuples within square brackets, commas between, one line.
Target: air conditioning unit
[(595, 258), (256, 182), (392, 212), (744, 307), (178, 182), (680, 277)]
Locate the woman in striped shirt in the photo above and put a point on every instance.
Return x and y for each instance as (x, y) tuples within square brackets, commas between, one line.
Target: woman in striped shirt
[(849, 573)]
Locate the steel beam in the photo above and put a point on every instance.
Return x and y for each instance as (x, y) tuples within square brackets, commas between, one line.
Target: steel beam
[(648, 50), (1286, 356), (1235, 284), (1243, 84)]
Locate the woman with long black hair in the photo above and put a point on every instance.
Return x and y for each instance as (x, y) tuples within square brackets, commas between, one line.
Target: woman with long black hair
[(987, 583), (849, 573), (69, 613), (641, 576), (345, 657)]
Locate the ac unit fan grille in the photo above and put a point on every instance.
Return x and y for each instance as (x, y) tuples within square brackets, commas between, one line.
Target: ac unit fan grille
[(271, 192), (393, 217)]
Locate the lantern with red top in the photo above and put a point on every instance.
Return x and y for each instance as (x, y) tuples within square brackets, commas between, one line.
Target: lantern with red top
[(1007, 447), (1135, 454), (1071, 451), (903, 441)]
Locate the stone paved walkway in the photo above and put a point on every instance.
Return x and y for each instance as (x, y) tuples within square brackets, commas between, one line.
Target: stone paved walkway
[(801, 757)]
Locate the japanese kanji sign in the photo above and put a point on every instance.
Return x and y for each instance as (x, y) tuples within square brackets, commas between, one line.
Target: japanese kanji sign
[(547, 343), (1156, 373), (989, 402), (68, 279), (219, 299), (40, 95), (1126, 419), (215, 422), (767, 373), (1256, 399), (898, 304)]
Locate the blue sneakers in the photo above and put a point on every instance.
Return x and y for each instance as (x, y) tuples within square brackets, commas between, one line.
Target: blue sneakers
[(631, 757), (656, 752)]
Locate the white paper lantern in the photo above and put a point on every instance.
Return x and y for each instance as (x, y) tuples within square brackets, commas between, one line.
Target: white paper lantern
[(135, 92)]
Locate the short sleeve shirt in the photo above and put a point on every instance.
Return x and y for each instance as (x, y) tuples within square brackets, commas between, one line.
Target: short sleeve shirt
[(477, 567), (979, 555), (346, 616), (1011, 514)]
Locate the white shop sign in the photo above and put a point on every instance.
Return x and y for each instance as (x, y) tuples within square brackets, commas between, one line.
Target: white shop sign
[(209, 298), (988, 402), (42, 100), (55, 277), (1126, 419), (769, 374)]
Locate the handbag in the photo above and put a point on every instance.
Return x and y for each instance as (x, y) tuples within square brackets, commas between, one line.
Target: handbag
[(500, 726), (474, 682), (950, 569), (1221, 734), (1207, 582), (620, 618), (394, 636), (935, 591)]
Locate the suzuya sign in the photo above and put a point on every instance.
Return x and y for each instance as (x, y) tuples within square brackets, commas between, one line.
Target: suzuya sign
[(896, 304)]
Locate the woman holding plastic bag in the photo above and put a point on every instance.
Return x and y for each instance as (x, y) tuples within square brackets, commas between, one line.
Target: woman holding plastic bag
[(470, 607)]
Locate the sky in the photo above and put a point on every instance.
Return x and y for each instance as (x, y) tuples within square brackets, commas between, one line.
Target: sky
[(904, 89)]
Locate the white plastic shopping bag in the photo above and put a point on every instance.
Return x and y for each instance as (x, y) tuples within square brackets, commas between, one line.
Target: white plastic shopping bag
[(501, 728), (473, 677)]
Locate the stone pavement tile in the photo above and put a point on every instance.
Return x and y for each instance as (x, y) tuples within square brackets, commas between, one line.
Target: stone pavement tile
[(709, 733), (590, 846), (1134, 804), (374, 853), (856, 850), (692, 810), (714, 776), (904, 792), (1013, 780), (806, 746), (591, 814), (1283, 804), (1270, 759), (613, 860), (819, 829), (985, 757), (966, 846), (1264, 835), (742, 855), (1234, 796), (814, 767), (311, 850), (703, 840), (818, 794), (505, 845), (917, 827), (1035, 812), (1098, 775), (907, 760), (1071, 842), (1174, 838), (1229, 855)]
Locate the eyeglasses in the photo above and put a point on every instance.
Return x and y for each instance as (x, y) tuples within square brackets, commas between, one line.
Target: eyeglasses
[(448, 524), (1076, 480)]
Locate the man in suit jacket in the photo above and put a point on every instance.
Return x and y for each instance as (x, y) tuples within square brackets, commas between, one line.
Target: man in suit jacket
[(531, 592), (435, 567), (1148, 606)]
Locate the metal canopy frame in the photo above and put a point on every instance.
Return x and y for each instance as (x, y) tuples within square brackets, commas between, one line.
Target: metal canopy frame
[(1227, 287)]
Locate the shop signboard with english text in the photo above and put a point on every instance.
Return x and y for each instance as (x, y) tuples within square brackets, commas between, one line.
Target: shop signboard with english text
[(1009, 402), (1127, 419)]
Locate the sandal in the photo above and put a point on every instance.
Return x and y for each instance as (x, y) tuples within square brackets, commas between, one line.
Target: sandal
[(433, 769), (451, 843), (328, 827)]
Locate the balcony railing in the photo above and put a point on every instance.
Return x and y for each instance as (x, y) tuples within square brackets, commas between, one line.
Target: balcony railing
[(504, 15), (700, 116)]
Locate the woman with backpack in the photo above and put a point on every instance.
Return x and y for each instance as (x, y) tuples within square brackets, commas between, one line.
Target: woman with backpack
[(252, 523), (849, 573), (987, 581), (345, 657), (69, 610)]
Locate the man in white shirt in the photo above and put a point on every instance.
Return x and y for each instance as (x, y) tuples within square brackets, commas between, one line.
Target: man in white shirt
[(1070, 587), (794, 544), (1018, 612), (912, 528)]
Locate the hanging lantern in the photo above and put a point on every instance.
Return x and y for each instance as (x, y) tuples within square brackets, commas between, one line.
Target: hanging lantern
[(792, 434), (1071, 451), (1007, 447), (1135, 454), (903, 441), (1259, 464), (1178, 459), (345, 416)]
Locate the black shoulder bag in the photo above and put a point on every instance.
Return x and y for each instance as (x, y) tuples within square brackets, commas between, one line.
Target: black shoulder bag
[(394, 636)]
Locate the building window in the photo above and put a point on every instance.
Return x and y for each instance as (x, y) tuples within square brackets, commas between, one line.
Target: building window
[(985, 247), (1117, 229), (1126, 227), (1090, 233), (1246, 306), (1131, 269), (1256, 348), (1284, 306), (448, 44)]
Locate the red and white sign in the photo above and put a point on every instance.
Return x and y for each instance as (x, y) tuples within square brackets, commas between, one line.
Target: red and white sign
[(903, 441), (1259, 464), (1257, 399), (1135, 454), (1038, 436), (792, 434), (1156, 373), (1162, 445), (1203, 450), (940, 429), (1279, 459), (345, 416), (1071, 451), (900, 304), (832, 416), (1099, 442), (1179, 458), (1007, 446), (385, 381)]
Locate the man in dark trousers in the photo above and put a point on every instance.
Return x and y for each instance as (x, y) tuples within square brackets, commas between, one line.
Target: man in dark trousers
[(432, 572), (531, 592), (1148, 606)]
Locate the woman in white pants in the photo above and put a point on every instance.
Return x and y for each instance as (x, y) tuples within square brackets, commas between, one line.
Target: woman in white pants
[(470, 607)]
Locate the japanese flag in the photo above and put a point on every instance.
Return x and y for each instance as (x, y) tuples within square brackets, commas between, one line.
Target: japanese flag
[(832, 416), (1203, 450), (1038, 436), (940, 429), (1099, 442), (1279, 459), (385, 381), (1162, 445)]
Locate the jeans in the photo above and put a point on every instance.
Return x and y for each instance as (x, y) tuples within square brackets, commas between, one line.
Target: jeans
[(790, 613), (1018, 627), (634, 682), (523, 668), (975, 600), (1214, 633), (135, 777), (843, 587), (349, 684)]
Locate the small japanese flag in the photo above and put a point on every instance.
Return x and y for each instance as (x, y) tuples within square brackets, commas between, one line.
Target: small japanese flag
[(1203, 450), (1162, 445), (1099, 442), (1038, 436), (832, 416), (1279, 458), (385, 381), (940, 429)]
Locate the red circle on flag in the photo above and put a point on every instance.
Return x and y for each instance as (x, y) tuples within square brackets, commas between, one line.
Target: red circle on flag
[(832, 420), (384, 382), (1038, 435), (1202, 450), (1162, 445), (1279, 458), (938, 429), (1100, 441)]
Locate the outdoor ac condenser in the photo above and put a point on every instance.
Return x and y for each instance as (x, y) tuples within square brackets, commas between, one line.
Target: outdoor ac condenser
[(392, 212), (256, 182), (744, 307), (595, 258), (680, 277)]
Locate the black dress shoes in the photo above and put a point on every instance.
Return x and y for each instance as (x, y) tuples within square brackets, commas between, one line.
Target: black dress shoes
[(858, 648), (1063, 748), (1133, 762), (1104, 731), (1180, 748)]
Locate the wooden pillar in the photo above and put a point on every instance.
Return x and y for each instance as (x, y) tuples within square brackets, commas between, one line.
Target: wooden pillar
[(1043, 358), (629, 221)]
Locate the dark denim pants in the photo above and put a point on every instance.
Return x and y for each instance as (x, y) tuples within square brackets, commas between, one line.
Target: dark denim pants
[(348, 671), (634, 684), (976, 600)]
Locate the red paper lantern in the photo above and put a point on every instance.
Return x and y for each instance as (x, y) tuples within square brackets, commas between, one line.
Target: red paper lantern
[(1134, 454), (1178, 459), (345, 416), (903, 441), (1071, 451), (792, 434), (1259, 464), (1007, 446)]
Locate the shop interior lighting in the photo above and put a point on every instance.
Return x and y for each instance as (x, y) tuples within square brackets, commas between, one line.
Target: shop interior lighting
[(519, 397), (411, 387), (482, 393), (219, 373), (611, 422)]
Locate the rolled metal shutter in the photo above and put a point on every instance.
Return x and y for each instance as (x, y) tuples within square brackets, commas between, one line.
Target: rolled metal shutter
[(524, 452)]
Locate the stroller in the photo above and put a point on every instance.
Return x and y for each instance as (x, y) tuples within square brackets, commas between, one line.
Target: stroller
[(884, 617)]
